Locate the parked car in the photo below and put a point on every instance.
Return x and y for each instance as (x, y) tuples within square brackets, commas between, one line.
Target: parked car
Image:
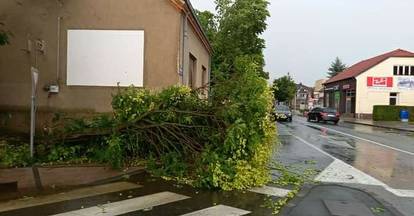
[(324, 114), (283, 113)]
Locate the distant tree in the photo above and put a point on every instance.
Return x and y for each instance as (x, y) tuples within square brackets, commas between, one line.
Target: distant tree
[(235, 31), (209, 24), (284, 89), (336, 67)]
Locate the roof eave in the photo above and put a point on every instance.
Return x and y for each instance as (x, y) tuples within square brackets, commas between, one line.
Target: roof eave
[(196, 23)]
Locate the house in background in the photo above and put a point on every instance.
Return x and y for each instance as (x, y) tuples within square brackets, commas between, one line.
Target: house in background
[(387, 79), (303, 97), (84, 49), (318, 93)]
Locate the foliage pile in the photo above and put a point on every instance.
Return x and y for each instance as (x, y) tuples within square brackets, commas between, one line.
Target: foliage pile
[(223, 145)]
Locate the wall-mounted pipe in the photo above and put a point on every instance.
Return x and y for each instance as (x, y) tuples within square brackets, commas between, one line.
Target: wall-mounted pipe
[(58, 49), (184, 48)]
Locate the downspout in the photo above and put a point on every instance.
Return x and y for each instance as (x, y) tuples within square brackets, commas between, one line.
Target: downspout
[(183, 48), (209, 78), (58, 50)]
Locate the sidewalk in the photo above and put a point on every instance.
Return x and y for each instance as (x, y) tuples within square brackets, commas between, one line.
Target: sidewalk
[(43, 180), (401, 126)]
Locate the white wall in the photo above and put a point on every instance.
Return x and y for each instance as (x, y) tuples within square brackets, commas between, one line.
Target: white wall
[(367, 97), (105, 58)]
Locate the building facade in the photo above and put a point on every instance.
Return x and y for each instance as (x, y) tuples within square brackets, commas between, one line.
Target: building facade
[(318, 93), (387, 79), (303, 97), (85, 49)]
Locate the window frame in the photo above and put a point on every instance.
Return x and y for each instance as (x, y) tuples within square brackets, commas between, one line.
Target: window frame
[(393, 96)]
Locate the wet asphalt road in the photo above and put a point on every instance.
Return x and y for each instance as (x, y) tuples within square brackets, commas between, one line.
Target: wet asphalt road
[(383, 154), (386, 155)]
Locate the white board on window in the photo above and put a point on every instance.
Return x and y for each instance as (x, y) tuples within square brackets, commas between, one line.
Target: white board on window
[(105, 58)]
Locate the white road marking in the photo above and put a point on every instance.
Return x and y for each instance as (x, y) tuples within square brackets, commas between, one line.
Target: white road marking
[(221, 210), (360, 138), (130, 205), (71, 195), (314, 147), (271, 191), (341, 172)]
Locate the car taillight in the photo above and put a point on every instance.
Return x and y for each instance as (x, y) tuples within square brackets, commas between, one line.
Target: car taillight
[(337, 114)]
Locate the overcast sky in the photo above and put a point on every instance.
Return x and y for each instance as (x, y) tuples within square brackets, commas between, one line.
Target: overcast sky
[(304, 36)]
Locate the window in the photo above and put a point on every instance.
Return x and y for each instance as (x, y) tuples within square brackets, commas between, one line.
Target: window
[(204, 76), (350, 93), (192, 72), (401, 71), (204, 81), (393, 98), (395, 70)]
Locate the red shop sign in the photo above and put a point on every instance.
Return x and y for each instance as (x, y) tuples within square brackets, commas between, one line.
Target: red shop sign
[(380, 82)]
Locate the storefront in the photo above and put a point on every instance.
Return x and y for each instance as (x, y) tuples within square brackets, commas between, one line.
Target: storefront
[(341, 96)]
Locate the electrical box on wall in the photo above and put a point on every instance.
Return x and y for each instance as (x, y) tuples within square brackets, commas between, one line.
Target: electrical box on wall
[(54, 89), (51, 88)]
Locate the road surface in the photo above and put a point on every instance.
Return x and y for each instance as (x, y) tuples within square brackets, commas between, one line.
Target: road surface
[(379, 161)]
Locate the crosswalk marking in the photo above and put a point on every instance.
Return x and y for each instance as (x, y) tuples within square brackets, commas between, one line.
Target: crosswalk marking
[(130, 205), (271, 191), (221, 210), (75, 194)]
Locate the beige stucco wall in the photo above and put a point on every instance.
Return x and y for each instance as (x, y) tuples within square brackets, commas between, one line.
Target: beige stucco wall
[(29, 19), (367, 97), (196, 48)]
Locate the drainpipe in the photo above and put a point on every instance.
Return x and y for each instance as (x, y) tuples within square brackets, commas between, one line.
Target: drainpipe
[(185, 37), (183, 48), (209, 79), (58, 50)]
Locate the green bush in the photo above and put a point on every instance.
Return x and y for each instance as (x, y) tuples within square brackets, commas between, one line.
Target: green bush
[(15, 156), (390, 113)]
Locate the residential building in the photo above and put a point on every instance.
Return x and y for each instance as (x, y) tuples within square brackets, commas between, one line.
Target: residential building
[(387, 79), (303, 98), (318, 93), (85, 49)]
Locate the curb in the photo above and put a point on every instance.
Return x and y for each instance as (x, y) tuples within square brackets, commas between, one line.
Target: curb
[(116, 178), (379, 126)]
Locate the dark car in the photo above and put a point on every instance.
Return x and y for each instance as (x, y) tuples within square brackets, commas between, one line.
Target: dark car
[(283, 113), (320, 114)]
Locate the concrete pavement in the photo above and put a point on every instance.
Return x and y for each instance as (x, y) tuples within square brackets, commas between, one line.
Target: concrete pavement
[(402, 126)]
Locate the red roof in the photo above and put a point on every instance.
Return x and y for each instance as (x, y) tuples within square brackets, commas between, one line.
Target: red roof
[(363, 66)]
